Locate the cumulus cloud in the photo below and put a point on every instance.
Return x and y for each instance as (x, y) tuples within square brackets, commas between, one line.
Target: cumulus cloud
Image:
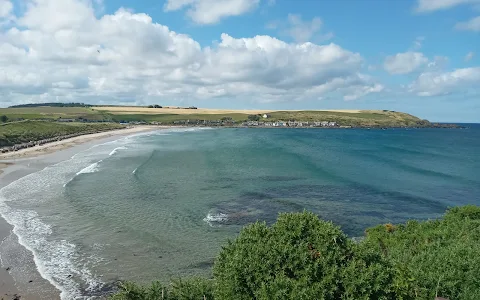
[(6, 13), (299, 30), (469, 56), (6, 8), (404, 63), (442, 83), (211, 11), (433, 5), (60, 51), (472, 24)]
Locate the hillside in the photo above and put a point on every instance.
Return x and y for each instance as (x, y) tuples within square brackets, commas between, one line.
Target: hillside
[(212, 117), (354, 118)]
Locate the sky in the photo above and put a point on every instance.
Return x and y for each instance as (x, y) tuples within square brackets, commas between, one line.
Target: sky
[(417, 56)]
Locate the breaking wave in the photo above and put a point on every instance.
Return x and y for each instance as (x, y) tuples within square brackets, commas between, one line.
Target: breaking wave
[(215, 218), (114, 151)]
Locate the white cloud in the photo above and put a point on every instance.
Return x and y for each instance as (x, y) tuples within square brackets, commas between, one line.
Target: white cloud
[(404, 63), (433, 5), (211, 11), (6, 8), (469, 56), (442, 83), (418, 43), (472, 24), (64, 52), (361, 91), (299, 30)]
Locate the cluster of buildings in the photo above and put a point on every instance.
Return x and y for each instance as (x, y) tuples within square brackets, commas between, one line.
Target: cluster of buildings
[(230, 122), (289, 124)]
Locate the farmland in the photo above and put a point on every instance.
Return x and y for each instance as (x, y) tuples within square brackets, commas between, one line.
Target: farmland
[(357, 118), (171, 115), (53, 113)]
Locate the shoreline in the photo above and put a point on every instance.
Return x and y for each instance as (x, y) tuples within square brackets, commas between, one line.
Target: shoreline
[(15, 165), (70, 142)]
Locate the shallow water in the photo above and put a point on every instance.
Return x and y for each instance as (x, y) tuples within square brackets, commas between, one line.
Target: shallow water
[(159, 205)]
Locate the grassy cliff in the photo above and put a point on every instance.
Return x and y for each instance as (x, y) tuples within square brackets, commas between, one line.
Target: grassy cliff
[(354, 118)]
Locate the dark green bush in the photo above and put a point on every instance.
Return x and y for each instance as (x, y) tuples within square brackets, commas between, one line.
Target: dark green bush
[(194, 288), (299, 257), (303, 257), (434, 257)]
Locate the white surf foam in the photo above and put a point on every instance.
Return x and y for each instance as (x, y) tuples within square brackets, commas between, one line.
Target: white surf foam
[(90, 169), (114, 151), (57, 260), (215, 218)]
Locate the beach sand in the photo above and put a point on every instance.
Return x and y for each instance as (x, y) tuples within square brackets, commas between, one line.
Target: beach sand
[(15, 165)]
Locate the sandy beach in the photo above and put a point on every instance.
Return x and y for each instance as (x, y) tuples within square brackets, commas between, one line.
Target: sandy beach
[(14, 165)]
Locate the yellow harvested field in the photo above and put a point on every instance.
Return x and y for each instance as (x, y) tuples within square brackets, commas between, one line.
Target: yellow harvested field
[(184, 111)]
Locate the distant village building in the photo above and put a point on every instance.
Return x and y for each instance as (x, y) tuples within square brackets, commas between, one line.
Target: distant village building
[(265, 116)]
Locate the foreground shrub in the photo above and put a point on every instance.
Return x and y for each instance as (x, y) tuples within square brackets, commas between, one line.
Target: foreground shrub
[(299, 257), (195, 288), (303, 257), (433, 257)]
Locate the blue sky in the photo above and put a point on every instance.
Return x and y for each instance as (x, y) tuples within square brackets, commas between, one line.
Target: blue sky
[(417, 56)]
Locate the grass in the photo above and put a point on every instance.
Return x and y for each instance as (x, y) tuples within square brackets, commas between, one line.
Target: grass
[(53, 113), (170, 118), (361, 118), (26, 131), (355, 118), (182, 111)]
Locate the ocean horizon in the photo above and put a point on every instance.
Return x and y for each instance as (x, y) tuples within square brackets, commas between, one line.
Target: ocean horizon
[(158, 205)]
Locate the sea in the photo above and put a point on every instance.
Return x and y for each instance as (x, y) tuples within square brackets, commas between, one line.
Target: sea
[(159, 205)]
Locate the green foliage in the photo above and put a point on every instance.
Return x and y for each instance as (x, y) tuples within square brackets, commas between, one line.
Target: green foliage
[(26, 131), (253, 117), (131, 291), (192, 289), (4, 119), (51, 105), (195, 288), (302, 257), (53, 113), (438, 256)]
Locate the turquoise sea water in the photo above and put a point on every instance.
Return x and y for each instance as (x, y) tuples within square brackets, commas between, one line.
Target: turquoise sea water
[(159, 205)]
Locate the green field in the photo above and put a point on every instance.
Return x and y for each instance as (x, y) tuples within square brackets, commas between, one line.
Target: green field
[(363, 119), (53, 113), (26, 131), (366, 118)]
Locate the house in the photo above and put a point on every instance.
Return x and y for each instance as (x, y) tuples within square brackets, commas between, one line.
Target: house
[(265, 116)]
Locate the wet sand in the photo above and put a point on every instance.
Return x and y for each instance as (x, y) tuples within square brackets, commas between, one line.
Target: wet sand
[(15, 165)]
